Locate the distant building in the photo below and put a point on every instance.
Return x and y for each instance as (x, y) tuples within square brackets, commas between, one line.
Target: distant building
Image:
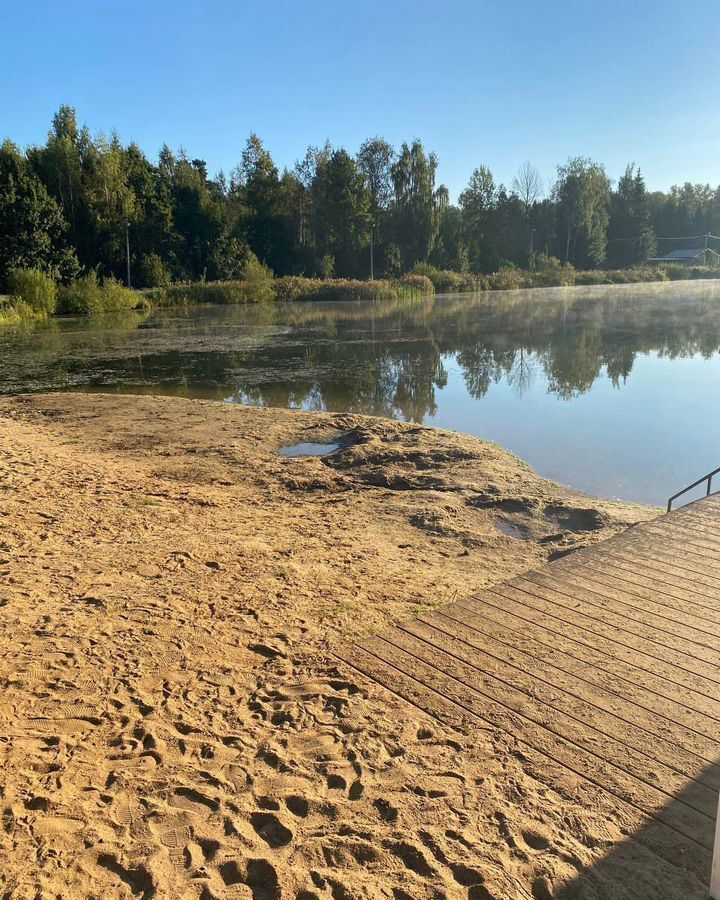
[(698, 257)]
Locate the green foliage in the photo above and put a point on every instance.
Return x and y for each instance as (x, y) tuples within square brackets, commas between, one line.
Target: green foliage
[(478, 202), (292, 288), (81, 296), (19, 314), (87, 296), (447, 281), (509, 278), (258, 280), (679, 272), (342, 218), (152, 272), (548, 271), (327, 266), (392, 266), (34, 288), (375, 160), (592, 276), (67, 206), (630, 233), (582, 194), (414, 284), (32, 228), (415, 220)]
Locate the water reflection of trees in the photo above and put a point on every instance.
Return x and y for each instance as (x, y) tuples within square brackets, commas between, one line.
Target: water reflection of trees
[(392, 362), (390, 359)]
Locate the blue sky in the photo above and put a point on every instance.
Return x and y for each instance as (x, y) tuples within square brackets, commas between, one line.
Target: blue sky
[(476, 81)]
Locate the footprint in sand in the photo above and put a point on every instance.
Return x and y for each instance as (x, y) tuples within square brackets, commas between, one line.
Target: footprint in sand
[(194, 801), (271, 829), (52, 825)]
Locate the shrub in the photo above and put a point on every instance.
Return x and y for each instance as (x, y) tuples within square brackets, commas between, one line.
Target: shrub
[(446, 281), (152, 271), (508, 278), (82, 296), (295, 287), (258, 280), (86, 296), (327, 266), (548, 271), (414, 285), (116, 297), (292, 287), (679, 272), (257, 285), (19, 313), (34, 288), (222, 292), (593, 276)]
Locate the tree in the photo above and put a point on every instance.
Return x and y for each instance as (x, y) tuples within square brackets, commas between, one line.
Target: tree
[(343, 213), (32, 227), (630, 233), (60, 166), (415, 222), (582, 195), (477, 203), (527, 186), (110, 202), (198, 218), (258, 189), (450, 250), (375, 160)]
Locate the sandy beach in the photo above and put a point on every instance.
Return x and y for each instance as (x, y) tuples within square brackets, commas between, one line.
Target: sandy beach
[(175, 722)]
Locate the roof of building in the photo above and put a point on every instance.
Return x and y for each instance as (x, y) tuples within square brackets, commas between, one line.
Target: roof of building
[(681, 255)]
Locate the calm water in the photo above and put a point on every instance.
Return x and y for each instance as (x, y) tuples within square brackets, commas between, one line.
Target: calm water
[(611, 390)]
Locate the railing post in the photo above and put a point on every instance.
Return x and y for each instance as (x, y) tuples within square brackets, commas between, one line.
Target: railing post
[(715, 870), (709, 490)]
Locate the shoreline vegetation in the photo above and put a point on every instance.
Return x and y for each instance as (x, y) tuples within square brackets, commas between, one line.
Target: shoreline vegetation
[(34, 296), (94, 214)]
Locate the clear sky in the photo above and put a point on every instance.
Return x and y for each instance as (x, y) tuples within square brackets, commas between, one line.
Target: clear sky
[(477, 81)]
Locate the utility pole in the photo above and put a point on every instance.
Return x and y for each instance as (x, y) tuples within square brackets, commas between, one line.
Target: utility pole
[(372, 263), (127, 251)]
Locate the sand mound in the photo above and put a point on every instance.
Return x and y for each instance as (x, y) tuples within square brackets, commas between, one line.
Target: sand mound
[(174, 721)]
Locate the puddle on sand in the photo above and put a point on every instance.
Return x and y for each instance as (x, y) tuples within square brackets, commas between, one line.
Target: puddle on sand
[(519, 532), (309, 449)]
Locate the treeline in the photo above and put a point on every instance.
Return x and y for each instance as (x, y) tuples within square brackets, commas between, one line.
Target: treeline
[(67, 208)]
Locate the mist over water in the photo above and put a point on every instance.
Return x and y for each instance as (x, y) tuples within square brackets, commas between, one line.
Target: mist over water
[(611, 390)]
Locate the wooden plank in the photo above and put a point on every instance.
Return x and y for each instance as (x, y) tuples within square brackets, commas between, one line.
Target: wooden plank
[(683, 818), (659, 836), (696, 688), (643, 640), (600, 665), (683, 746), (632, 574), (605, 665), (675, 630), (597, 710)]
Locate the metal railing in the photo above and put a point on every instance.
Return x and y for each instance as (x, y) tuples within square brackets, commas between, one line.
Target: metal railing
[(708, 478)]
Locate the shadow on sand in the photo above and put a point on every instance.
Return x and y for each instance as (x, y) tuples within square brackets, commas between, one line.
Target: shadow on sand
[(659, 861)]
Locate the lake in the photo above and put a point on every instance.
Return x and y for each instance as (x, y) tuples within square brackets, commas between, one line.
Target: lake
[(612, 390)]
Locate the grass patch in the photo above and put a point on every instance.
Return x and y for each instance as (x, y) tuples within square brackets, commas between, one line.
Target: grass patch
[(296, 287), (19, 314), (87, 296)]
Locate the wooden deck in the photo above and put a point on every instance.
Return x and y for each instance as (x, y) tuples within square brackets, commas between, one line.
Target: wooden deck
[(605, 663)]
